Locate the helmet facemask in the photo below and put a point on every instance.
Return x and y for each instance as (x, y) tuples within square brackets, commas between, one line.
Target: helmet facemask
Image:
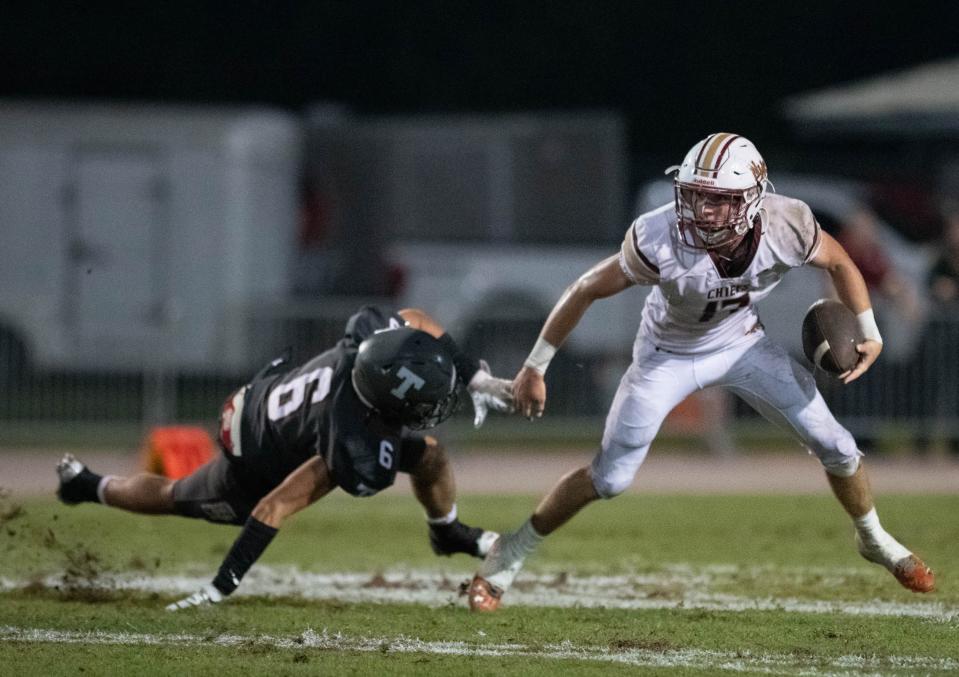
[(426, 415), (714, 218), (719, 190)]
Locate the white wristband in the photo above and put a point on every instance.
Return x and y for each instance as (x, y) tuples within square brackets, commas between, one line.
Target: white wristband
[(867, 325), (540, 355)]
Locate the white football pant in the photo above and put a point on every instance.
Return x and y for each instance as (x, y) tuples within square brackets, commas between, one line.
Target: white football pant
[(757, 369)]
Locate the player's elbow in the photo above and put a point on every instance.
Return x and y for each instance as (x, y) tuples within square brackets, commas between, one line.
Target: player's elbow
[(433, 462), (599, 282), (844, 272), (414, 316), (584, 289), (272, 511)]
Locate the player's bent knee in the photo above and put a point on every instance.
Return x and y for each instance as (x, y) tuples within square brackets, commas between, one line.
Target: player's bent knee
[(840, 458), (166, 494), (269, 511), (845, 467), (615, 467), (611, 484)]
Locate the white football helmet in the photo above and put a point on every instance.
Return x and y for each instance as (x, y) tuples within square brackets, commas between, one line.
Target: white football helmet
[(719, 188)]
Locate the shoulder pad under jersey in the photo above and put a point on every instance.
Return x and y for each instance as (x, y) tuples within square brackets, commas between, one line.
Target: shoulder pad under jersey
[(368, 320), (637, 256), (791, 230)]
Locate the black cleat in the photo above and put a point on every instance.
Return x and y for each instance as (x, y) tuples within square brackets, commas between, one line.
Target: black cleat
[(76, 481), (447, 539)]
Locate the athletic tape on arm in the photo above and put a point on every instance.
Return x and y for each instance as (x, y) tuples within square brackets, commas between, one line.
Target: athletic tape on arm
[(867, 324), (540, 356)]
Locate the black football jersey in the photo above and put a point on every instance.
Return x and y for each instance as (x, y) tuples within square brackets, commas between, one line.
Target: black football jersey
[(288, 416)]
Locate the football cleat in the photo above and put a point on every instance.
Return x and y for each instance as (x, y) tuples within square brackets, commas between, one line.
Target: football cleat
[(911, 572), (495, 575), (483, 596), (71, 489), (447, 539), (208, 595)]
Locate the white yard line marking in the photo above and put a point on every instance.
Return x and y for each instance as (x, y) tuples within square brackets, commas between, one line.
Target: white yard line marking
[(677, 589), (679, 658)]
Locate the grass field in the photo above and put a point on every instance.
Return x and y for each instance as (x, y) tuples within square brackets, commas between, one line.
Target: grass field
[(673, 585)]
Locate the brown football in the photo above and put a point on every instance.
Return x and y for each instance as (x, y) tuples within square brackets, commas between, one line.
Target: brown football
[(830, 333)]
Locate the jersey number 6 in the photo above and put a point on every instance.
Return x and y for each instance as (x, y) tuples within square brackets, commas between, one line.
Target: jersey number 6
[(386, 454), (287, 398)]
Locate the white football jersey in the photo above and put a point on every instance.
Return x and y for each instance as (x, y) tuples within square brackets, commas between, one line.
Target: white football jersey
[(693, 308)]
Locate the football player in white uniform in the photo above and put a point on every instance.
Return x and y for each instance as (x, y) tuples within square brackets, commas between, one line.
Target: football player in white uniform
[(723, 244)]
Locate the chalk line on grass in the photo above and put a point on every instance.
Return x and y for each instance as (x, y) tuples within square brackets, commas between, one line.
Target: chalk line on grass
[(690, 588), (738, 661)]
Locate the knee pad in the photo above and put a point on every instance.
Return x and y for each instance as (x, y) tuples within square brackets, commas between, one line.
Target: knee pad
[(609, 484), (846, 467), (842, 458)]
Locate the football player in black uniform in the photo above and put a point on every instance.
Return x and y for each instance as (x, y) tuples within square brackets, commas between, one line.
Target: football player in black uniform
[(344, 419)]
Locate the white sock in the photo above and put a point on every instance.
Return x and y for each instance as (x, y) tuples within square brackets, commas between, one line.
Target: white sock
[(448, 518), (102, 487), (872, 534), (513, 549), (524, 540)]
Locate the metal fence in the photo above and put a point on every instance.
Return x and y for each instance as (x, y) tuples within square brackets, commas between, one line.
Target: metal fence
[(919, 395)]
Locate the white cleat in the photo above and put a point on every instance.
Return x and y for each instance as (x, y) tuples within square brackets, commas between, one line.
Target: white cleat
[(205, 596), (911, 572), (485, 542), (495, 576)]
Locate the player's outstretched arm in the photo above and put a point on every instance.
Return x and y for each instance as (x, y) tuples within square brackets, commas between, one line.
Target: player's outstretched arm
[(420, 319), (486, 391), (304, 486), (604, 279), (852, 291)]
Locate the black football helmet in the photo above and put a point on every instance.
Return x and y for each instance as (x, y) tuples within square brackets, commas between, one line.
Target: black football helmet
[(407, 376)]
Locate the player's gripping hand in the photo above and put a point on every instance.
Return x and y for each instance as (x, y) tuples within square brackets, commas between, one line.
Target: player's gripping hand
[(489, 392), (529, 393), (205, 596), (868, 352)]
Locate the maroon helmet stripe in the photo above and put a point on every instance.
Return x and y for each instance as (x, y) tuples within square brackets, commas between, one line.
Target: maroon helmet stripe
[(699, 158), (722, 150)]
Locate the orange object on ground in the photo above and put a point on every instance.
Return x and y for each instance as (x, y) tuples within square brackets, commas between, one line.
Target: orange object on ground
[(688, 416), (176, 451)]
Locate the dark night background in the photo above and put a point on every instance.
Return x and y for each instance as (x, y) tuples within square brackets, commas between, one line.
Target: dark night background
[(676, 70)]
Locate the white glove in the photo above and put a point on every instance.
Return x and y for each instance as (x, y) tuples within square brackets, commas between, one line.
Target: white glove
[(489, 392), (205, 596)]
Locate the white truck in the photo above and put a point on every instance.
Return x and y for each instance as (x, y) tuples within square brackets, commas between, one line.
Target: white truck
[(499, 296), (487, 218), (139, 236)]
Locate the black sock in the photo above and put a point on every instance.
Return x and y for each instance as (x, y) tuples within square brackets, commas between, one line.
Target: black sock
[(82, 488), (446, 528), (246, 549)]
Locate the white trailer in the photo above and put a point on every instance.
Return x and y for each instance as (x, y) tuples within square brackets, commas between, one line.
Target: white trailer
[(143, 236)]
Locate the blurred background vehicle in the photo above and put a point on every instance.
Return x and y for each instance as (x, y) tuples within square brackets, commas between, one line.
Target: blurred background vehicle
[(143, 235)]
